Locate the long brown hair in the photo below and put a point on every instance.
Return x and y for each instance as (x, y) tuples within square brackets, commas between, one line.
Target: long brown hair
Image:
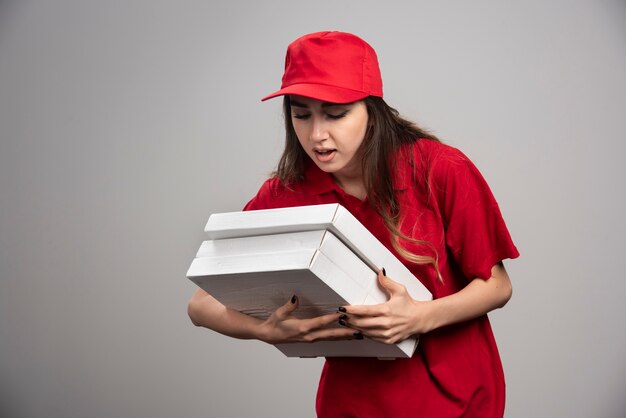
[(386, 133)]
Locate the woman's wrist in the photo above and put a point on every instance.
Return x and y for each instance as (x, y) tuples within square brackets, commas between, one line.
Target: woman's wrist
[(428, 316), (261, 332), (436, 314)]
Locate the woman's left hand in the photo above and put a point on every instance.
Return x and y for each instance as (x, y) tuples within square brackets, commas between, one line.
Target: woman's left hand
[(393, 321), (402, 316)]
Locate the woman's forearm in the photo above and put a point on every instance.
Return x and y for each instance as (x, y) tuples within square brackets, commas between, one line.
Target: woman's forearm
[(476, 299), (281, 326), (205, 311)]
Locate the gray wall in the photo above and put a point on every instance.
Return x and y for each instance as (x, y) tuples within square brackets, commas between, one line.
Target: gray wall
[(123, 125)]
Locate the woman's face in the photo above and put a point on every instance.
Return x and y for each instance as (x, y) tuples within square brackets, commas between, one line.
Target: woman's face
[(331, 134)]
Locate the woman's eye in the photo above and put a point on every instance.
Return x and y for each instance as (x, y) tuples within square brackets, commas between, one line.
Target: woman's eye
[(300, 116), (337, 115)]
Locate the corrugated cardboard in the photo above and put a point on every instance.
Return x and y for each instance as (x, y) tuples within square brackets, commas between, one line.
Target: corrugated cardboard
[(256, 261), (333, 217)]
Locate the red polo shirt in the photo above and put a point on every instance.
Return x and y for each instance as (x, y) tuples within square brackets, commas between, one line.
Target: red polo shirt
[(456, 370)]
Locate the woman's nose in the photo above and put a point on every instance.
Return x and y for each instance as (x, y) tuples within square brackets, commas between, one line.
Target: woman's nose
[(319, 129)]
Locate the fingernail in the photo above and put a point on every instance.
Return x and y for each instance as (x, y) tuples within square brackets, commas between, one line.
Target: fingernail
[(343, 316), (358, 335), (342, 322), (294, 298), (342, 309), (384, 272)]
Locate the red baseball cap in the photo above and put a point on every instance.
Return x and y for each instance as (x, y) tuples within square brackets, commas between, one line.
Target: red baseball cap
[(335, 67)]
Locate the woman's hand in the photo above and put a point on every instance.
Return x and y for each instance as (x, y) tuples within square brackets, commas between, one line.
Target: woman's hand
[(402, 316), (393, 321), (283, 327)]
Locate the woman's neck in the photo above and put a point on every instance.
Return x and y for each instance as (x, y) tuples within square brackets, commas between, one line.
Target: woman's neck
[(353, 185)]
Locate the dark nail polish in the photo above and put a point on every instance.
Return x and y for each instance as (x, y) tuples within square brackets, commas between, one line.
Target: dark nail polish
[(358, 335), (343, 316), (294, 298), (342, 322), (384, 272), (342, 309)]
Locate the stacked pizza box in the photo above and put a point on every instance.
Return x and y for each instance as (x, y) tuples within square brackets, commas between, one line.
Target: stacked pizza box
[(255, 261)]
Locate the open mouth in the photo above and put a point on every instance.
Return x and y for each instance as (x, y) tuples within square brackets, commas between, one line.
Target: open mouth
[(325, 154)]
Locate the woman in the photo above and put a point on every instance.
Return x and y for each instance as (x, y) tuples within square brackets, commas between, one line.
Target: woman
[(422, 199)]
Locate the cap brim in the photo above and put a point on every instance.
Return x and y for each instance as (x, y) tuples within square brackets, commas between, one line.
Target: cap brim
[(321, 92)]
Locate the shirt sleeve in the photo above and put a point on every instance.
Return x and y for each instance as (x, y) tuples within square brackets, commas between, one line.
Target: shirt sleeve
[(475, 231), (261, 199), (270, 196)]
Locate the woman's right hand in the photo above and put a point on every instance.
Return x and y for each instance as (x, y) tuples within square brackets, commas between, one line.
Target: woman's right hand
[(283, 327)]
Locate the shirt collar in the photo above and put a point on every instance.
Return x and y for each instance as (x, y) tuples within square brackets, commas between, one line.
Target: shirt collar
[(402, 177), (319, 182)]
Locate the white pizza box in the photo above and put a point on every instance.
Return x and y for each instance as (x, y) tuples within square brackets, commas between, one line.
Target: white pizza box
[(332, 217), (258, 274)]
